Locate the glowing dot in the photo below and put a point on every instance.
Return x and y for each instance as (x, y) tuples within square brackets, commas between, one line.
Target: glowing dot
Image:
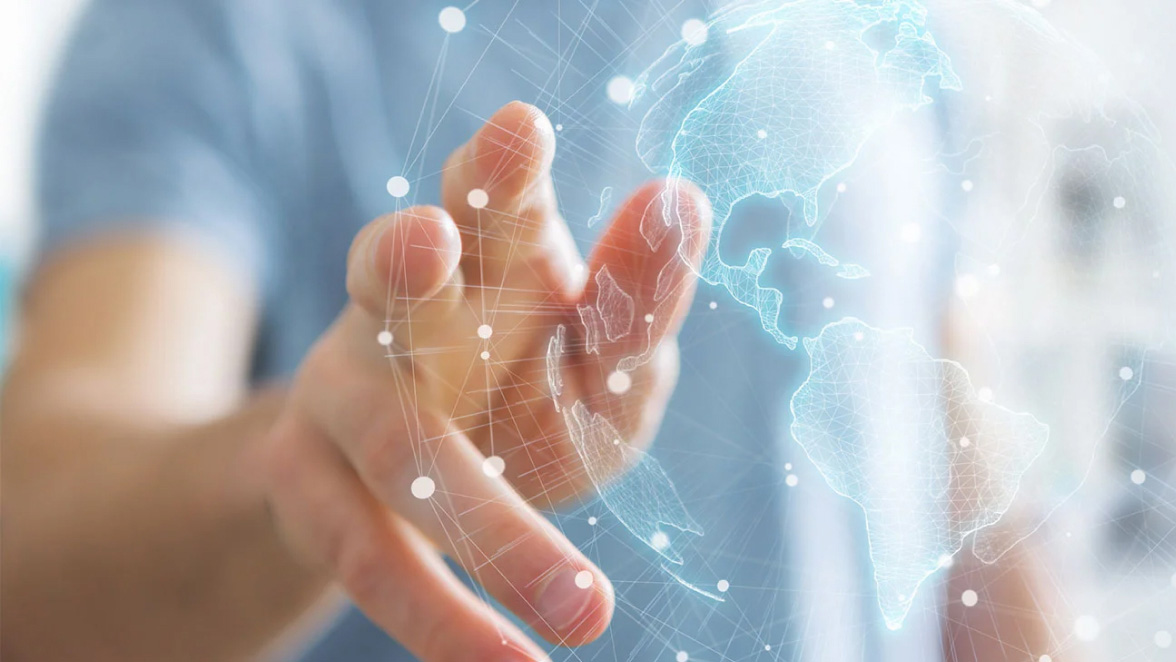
[(493, 466), (969, 598), (485, 355), (827, 302), (723, 585), (1163, 639), (485, 331), (761, 134), (619, 382), (984, 393), (1126, 373), (1045, 658), (1138, 476), (423, 487), (842, 187), (649, 318), (616, 442), (584, 578), (911, 232), (787, 466), (452, 19), (559, 127), (714, 304), (946, 561), (477, 198), (967, 286), (859, 336), (592, 521), (681, 656), (660, 540), (1120, 202), (791, 480), (694, 32), (397, 187), (965, 442), (967, 185), (620, 90), (767, 647), (1086, 628), (384, 338), (829, 45)]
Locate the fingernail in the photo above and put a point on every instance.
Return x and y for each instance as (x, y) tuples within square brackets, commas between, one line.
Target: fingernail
[(566, 598)]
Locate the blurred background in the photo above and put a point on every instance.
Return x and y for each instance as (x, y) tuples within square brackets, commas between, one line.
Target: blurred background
[(30, 35)]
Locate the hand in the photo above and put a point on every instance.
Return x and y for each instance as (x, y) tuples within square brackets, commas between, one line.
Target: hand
[(379, 459)]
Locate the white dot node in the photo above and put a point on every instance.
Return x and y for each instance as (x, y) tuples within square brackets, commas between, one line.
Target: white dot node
[(397, 187), (965, 442), (791, 480), (559, 127), (842, 187), (1138, 476), (827, 302), (723, 585), (649, 318), (452, 19), (1045, 658), (1126, 373), (911, 232), (1120, 202), (1086, 628), (969, 598), (787, 466), (584, 578), (1163, 639), (984, 393), (967, 185), (592, 521), (714, 304), (423, 487), (485, 331), (859, 336), (384, 338), (616, 442), (682, 656), (493, 466), (619, 382), (620, 90), (761, 134), (967, 286), (767, 647), (694, 32), (477, 198), (485, 355), (660, 540)]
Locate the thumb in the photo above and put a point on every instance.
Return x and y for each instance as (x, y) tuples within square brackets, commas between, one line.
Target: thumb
[(402, 259)]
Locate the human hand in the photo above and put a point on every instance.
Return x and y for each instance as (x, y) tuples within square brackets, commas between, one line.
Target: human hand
[(438, 363)]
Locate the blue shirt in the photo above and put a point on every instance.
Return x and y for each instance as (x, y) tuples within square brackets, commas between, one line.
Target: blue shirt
[(266, 130)]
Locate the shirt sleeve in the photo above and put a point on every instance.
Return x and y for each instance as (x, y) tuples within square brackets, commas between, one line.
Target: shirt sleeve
[(146, 130)]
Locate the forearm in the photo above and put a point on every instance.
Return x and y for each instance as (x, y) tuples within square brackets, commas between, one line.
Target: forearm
[(140, 544)]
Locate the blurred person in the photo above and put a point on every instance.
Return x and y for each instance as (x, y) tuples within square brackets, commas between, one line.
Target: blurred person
[(208, 176)]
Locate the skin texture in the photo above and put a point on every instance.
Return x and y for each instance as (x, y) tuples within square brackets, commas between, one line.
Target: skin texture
[(156, 508)]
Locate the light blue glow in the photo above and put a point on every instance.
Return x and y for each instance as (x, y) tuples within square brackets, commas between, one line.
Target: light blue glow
[(908, 439)]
